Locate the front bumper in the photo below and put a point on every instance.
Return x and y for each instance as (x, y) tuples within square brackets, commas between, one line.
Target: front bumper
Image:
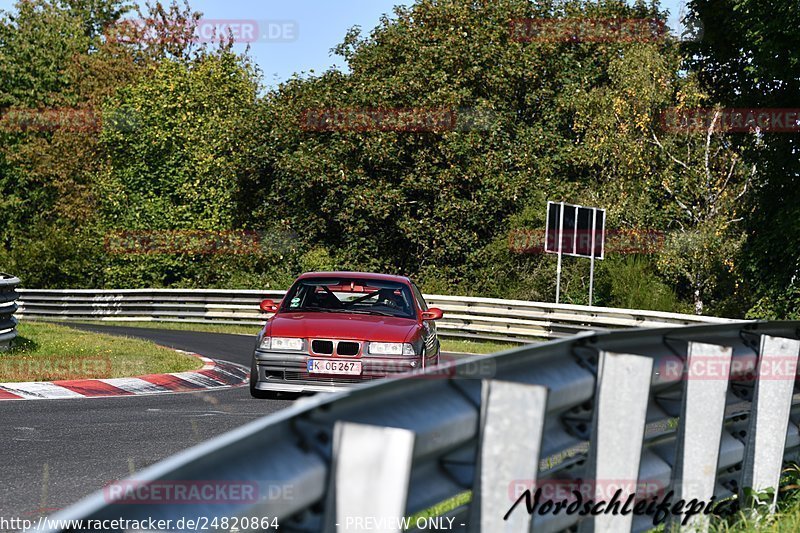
[(287, 372)]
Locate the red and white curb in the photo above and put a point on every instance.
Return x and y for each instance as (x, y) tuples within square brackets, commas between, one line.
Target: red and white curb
[(213, 375)]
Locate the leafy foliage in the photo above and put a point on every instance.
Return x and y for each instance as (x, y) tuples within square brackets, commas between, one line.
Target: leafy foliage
[(749, 57), (189, 140)]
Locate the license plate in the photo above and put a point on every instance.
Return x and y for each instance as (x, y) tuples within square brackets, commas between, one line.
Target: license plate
[(331, 366)]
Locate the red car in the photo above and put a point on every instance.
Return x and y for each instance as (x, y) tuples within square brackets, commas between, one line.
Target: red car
[(336, 329)]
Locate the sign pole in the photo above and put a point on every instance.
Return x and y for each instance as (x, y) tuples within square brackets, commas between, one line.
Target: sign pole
[(591, 268), (560, 242)]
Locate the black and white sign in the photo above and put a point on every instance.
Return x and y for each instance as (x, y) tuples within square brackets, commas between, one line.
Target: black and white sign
[(578, 231), (580, 227)]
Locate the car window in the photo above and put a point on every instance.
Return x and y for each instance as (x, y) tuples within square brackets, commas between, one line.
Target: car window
[(350, 295), (418, 295)]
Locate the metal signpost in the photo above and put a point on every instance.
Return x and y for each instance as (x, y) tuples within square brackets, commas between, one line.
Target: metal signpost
[(577, 231)]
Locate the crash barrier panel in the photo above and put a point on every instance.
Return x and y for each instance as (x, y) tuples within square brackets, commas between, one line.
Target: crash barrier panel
[(8, 306), (698, 413), (464, 317)]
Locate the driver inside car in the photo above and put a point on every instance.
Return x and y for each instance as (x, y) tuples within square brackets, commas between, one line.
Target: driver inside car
[(388, 298)]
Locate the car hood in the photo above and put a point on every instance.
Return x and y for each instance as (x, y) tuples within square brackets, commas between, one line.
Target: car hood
[(341, 326)]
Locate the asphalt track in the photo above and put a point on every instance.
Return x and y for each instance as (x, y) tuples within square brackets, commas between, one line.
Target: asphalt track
[(56, 452)]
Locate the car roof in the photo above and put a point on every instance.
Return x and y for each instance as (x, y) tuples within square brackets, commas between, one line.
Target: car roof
[(358, 275)]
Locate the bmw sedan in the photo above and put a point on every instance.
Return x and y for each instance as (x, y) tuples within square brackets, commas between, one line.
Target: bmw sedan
[(336, 329)]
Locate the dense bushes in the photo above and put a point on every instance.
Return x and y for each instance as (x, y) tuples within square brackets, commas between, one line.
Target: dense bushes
[(190, 141)]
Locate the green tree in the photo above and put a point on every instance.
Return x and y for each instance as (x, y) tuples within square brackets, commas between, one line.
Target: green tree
[(749, 57), (180, 163), (38, 41), (435, 202), (72, 70)]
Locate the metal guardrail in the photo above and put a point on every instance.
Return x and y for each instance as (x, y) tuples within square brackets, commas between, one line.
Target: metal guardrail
[(8, 306), (466, 317), (640, 406)]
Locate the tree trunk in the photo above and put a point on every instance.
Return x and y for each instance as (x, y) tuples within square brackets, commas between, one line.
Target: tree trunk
[(698, 302)]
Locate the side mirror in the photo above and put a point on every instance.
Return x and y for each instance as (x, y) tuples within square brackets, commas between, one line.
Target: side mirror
[(268, 306), (432, 314)]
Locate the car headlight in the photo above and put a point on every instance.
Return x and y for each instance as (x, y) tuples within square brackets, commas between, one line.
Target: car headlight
[(390, 348), (282, 344)]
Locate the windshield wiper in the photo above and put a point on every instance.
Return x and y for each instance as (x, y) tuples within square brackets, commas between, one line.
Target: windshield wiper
[(354, 311), (366, 312), (314, 310), (329, 310)]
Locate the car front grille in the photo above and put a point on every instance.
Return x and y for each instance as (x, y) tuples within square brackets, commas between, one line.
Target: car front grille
[(348, 348), (322, 347), (331, 347)]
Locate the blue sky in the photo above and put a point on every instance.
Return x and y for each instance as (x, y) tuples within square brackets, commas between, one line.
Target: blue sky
[(304, 31), (320, 25)]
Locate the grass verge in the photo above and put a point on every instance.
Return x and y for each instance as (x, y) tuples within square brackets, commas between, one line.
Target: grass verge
[(448, 345), (442, 508), (786, 518), (476, 346), (236, 329), (50, 352)]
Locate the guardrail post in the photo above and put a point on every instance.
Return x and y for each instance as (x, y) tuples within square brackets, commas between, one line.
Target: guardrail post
[(510, 439), (769, 415), (694, 474), (623, 391), (369, 477)]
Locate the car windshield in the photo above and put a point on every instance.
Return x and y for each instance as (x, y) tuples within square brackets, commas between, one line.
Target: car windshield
[(350, 295)]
